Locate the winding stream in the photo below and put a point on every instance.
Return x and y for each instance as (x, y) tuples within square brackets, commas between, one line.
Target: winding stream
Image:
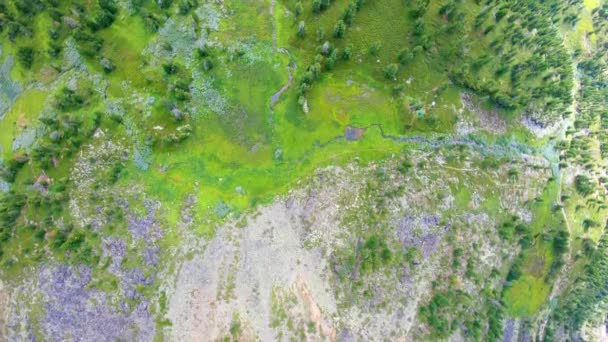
[(277, 95)]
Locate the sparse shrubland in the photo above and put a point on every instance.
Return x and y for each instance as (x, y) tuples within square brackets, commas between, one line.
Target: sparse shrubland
[(405, 169)]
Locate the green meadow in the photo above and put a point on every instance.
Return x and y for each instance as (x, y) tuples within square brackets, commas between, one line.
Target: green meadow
[(240, 102)]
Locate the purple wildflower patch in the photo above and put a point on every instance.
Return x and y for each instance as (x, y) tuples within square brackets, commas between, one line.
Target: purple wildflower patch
[(73, 311), (422, 232), (145, 228)]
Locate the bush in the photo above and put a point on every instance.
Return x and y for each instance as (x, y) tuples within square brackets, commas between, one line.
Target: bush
[(12, 167), (185, 6), (374, 49), (347, 53), (301, 29), (349, 14), (398, 89), (329, 62), (102, 20), (25, 56), (584, 185), (170, 68), (203, 52), (374, 253), (207, 64), (419, 9), (164, 3), (560, 242), (405, 56), (588, 246), (419, 27), (89, 45), (316, 6), (440, 312), (390, 71), (516, 270), (151, 21), (495, 319), (11, 204), (320, 34), (358, 4), (104, 16), (68, 100), (339, 29), (54, 50), (506, 231), (589, 223), (29, 7)]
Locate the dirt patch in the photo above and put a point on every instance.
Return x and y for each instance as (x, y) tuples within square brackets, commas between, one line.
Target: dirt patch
[(278, 273), (238, 273), (47, 75), (315, 314), (537, 267), (538, 127), (486, 119)]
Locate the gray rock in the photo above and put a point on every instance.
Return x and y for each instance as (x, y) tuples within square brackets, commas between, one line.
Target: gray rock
[(71, 22), (4, 186), (25, 140)]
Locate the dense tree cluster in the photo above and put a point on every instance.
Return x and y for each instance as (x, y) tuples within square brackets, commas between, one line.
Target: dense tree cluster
[(327, 55), (104, 14), (584, 300), (77, 19), (516, 59), (63, 134), (584, 185), (589, 292), (36, 204), (524, 65), (439, 313), (320, 5), (449, 310)]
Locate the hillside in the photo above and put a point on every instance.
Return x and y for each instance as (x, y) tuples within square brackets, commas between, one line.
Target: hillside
[(303, 170)]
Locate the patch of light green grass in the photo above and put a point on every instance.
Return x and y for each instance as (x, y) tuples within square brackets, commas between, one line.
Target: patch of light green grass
[(526, 296), (527, 293), (23, 114), (591, 4)]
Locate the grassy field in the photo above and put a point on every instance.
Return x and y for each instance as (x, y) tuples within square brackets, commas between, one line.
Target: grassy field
[(262, 151), (216, 72), (528, 293), (241, 152), (22, 115)]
